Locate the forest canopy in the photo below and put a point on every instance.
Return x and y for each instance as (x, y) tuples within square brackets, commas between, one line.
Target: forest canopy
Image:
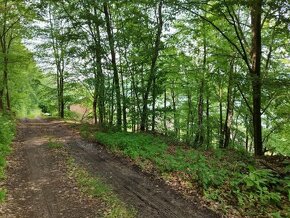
[(213, 74)]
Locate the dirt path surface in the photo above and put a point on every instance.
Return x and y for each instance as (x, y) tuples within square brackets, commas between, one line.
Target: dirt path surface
[(38, 185), (37, 180)]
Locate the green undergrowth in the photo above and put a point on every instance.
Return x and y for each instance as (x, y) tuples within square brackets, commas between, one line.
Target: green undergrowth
[(95, 187), (230, 177), (7, 132), (54, 144)]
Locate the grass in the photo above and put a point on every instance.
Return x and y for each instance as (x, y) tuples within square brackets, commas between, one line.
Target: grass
[(7, 132), (230, 178), (54, 144), (95, 187)]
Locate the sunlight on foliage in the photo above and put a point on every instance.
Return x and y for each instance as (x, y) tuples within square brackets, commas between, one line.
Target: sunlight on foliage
[(240, 183)]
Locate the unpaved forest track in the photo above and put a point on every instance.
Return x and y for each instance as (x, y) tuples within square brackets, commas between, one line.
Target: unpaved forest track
[(38, 186)]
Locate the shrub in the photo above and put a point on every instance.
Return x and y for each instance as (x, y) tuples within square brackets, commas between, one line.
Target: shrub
[(7, 130)]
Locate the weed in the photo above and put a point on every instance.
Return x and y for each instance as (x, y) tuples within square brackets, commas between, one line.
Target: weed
[(229, 177), (2, 195), (7, 131), (53, 144)]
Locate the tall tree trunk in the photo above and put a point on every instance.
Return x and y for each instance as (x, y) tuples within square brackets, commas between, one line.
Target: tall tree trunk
[(256, 13), (1, 101), (8, 97), (61, 95), (95, 97), (208, 128), (230, 110), (3, 40), (153, 104), (165, 113), (155, 55), (190, 118), (176, 118), (100, 75), (221, 135), (199, 137), (132, 110), (111, 114), (58, 55), (5, 81), (115, 69), (124, 103), (95, 109)]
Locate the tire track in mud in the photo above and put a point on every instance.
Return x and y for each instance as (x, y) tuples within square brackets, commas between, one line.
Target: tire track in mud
[(149, 196), (37, 181)]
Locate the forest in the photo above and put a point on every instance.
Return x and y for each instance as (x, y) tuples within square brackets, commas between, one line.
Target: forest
[(195, 92)]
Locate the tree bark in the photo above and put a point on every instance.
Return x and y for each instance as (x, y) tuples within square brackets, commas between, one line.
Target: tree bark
[(114, 64), (124, 108), (255, 72), (221, 134), (230, 110), (208, 129), (165, 113), (153, 104), (144, 116), (199, 137), (175, 113)]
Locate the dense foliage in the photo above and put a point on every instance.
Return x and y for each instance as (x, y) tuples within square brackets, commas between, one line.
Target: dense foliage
[(213, 75), (206, 73), (243, 184), (7, 130)]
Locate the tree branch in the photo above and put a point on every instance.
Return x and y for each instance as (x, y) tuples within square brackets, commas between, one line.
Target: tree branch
[(245, 99)]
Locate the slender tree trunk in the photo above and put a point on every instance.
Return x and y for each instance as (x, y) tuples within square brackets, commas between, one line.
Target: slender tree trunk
[(175, 115), (165, 113), (221, 134), (155, 55), (124, 103), (5, 81), (115, 69), (95, 110), (247, 140), (8, 98), (133, 111), (58, 55), (4, 52), (153, 104), (61, 95), (208, 128), (100, 75), (230, 110), (188, 117), (112, 106), (199, 138), (95, 98), (1, 101), (256, 13)]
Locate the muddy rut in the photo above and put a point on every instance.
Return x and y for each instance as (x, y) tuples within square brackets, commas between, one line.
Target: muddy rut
[(38, 185)]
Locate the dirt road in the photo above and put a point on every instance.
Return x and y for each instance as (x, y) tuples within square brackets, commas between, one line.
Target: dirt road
[(38, 185)]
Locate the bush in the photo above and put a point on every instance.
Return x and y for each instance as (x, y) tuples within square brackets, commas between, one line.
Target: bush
[(230, 177), (7, 130)]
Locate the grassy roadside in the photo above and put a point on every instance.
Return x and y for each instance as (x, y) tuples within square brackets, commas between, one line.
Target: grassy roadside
[(94, 186), (7, 132), (229, 180)]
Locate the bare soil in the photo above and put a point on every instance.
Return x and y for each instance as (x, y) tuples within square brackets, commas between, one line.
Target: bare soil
[(38, 184)]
